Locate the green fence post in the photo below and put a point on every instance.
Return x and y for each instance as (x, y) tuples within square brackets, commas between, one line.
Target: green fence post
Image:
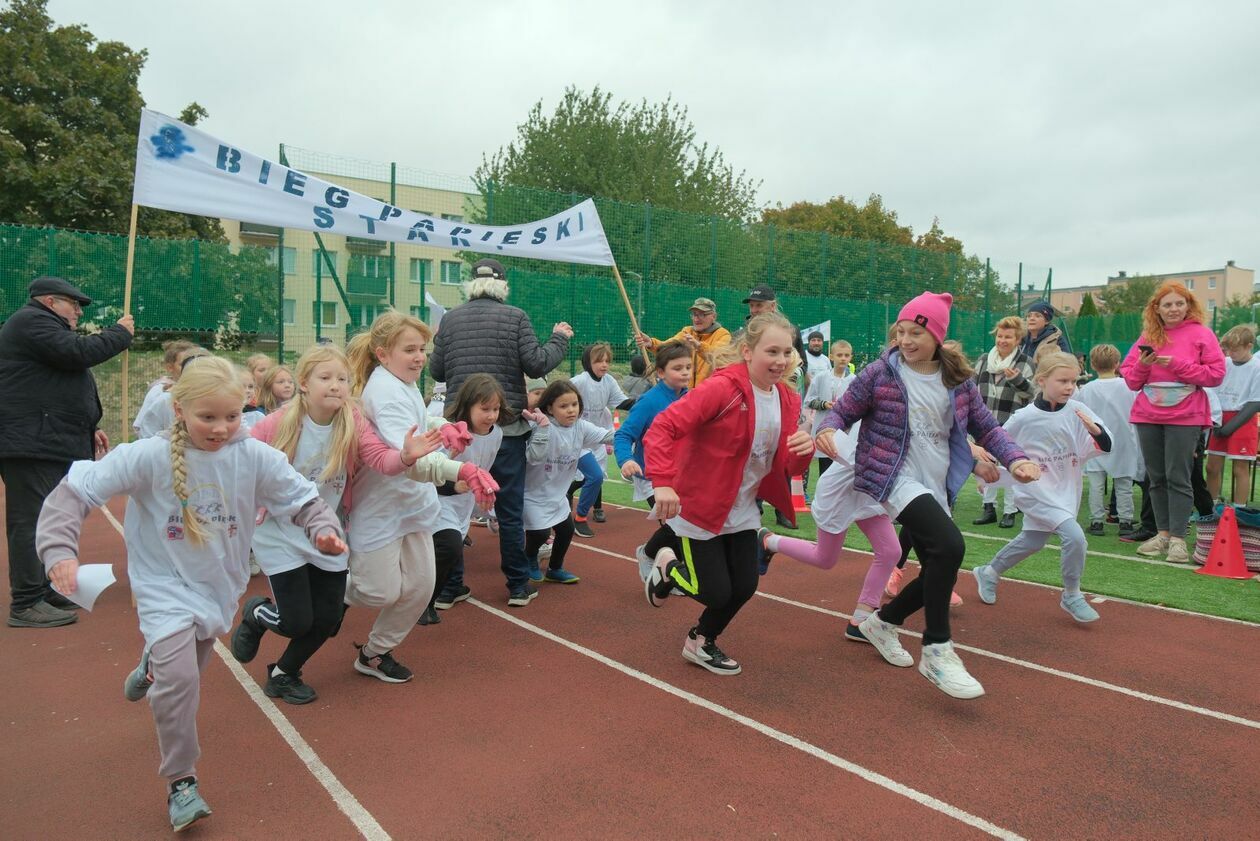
[(823, 290), (52, 251), (988, 287), (770, 255), (319, 299), (573, 199), (196, 284), (489, 202), (393, 201), (280, 299), (1019, 290), (713, 256), (647, 240)]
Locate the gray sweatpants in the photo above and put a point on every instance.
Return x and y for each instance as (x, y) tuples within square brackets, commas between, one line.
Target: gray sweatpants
[(1169, 455), (1028, 541), (176, 663), (1098, 502)]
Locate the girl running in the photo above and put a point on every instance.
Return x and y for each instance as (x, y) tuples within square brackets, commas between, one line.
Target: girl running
[(600, 396), (551, 461), (190, 518), (917, 404), (391, 532), (732, 440), (478, 404), (325, 439), (1061, 434)]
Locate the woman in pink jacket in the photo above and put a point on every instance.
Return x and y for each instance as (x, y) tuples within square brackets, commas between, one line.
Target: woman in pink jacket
[(1169, 366)]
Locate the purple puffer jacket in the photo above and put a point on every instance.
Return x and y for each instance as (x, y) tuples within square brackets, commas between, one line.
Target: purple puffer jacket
[(878, 399)]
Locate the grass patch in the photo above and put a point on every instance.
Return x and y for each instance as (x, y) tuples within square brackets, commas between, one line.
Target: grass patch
[(1125, 577)]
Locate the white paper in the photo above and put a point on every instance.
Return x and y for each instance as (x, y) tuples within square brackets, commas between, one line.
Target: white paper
[(92, 581)]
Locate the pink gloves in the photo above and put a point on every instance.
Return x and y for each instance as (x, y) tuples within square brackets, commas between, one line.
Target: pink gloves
[(481, 484), (455, 437)]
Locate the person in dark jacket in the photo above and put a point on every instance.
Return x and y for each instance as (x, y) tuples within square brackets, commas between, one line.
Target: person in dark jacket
[(1038, 317), (45, 362), (488, 336)]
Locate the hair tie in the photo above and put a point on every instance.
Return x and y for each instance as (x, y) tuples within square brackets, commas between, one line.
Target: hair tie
[(183, 503)]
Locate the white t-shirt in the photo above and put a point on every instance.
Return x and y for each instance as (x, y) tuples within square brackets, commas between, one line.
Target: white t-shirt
[(279, 545), (1241, 384), (745, 514), (250, 418), (828, 388), (926, 464), (598, 400), (551, 459), (157, 413), (177, 584), (457, 509), (158, 386), (388, 507), (1111, 400), (1060, 443), (816, 365)]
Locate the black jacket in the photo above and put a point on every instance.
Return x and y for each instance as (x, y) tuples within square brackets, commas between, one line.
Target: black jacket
[(50, 408), (487, 336), (1050, 333)]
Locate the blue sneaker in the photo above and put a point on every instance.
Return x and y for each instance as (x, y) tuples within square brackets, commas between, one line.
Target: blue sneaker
[(763, 554), (185, 804), (137, 684), (535, 574), (1078, 608), (986, 583), (561, 576)]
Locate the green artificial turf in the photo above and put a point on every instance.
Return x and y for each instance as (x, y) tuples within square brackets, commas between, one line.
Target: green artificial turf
[(1124, 577)]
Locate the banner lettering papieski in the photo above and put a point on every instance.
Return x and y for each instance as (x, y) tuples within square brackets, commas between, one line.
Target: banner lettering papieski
[(181, 168)]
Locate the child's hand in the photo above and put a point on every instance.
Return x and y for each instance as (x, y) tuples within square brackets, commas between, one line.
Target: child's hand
[(986, 472), (667, 503), (330, 544), (65, 576), (825, 442), (799, 443), (1093, 428), (416, 447), (983, 456), (461, 487), (455, 437), (631, 469), (535, 416), (1025, 471), (481, 484)]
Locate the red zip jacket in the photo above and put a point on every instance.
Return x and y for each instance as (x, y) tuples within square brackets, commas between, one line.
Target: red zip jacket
[(700, 444)]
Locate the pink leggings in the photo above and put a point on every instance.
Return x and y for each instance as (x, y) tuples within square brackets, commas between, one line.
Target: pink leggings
[(824, 554)]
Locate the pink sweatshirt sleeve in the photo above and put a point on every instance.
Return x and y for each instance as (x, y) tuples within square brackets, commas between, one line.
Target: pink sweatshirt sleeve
[(1197, 358), (375, 453)]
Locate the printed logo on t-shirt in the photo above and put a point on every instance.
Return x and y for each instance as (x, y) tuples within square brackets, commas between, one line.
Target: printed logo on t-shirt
[(206, 503)]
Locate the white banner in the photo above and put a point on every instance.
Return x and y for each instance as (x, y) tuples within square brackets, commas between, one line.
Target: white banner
[(436, 310), (183, 169), (824, 328)]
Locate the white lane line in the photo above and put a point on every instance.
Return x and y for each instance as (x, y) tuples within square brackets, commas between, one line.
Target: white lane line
[(349, 805), (791, 741), (1139, 559), (1014, 661)]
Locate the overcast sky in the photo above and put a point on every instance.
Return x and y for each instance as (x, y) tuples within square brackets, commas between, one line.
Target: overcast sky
[(1087, 137)]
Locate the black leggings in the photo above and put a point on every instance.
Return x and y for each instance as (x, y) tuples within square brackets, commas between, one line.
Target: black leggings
[(940, 548), (448, 550), (535, 538), (309, 605), (720, 573)]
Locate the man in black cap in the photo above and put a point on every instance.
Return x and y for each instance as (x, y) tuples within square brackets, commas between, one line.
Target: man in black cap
[(50, 421)]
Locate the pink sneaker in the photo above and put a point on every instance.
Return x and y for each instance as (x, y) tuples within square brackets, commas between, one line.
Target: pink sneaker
[(893, 587), (705, 653), (954, 599)]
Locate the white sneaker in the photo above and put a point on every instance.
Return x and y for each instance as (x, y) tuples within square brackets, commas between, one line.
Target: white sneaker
[(1177, 551), (940, 664), (544, 551), (645, 563), (883, 635), (1156, 546)]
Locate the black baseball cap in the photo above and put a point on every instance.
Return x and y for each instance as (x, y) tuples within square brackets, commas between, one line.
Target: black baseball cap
[(50, 285), (489, 268), (762, 292)]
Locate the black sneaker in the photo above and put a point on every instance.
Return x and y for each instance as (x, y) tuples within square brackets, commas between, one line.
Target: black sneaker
[(450, 598), (582, 528), (987, 517), (854, 634), (705, 653), (522, 596), (660, 584), (41, 615), (288, 688), (1096, 527), (764, 555), (1007, 521), (598, 516), (1138, 535), (429, 617), (1126, 529), (59, 601), (382, 667), (248, 635), (468, 540)]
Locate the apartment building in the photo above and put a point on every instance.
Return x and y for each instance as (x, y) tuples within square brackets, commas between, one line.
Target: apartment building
[(1212, 287)]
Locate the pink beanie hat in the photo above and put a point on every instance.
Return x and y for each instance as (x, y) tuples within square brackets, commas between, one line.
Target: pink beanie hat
[(930, 311)]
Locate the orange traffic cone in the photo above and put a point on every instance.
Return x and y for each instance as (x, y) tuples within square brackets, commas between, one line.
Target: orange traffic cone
[(799, 504), (1225, 560)]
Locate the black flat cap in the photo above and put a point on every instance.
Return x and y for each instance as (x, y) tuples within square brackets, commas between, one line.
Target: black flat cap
[(49, 285)]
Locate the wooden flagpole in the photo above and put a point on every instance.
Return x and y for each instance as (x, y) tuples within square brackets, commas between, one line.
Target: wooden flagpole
[(126, 358), (634, 322)]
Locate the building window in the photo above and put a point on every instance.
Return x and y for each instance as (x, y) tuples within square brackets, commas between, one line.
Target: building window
[(290, 310), (318, 263), (328, 309), (1211, 304), (452, 217), (1190, 283), (364, 314), (451, 272), (290, 259), (421, 270), (369, 265), (1211, 283)]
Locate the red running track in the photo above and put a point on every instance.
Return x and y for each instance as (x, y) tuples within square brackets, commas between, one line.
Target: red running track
[(507, 732)]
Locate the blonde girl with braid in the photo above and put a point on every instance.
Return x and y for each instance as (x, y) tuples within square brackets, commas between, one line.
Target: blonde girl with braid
[(193, 495), (327, 440), (392, 562)]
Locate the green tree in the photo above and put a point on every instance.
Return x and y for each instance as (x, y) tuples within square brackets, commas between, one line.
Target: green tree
[(69, 115), (842, 217), (646, 152), (1130, 296), (1088, 307)]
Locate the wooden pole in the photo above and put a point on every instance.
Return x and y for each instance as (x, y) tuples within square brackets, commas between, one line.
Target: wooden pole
[(126, 357), (634, 322)]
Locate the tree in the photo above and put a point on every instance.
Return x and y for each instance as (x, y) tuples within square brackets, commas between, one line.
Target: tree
[(69, 115), (842, 217), (1088, 307), (1130, 296), (631, 153)]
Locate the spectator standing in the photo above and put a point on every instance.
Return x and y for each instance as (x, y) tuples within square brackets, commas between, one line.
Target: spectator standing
[(704, 337), (1004, 377), (1037, 318)]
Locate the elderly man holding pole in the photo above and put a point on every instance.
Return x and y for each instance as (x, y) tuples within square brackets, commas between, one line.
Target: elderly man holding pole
[(704, 336)]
